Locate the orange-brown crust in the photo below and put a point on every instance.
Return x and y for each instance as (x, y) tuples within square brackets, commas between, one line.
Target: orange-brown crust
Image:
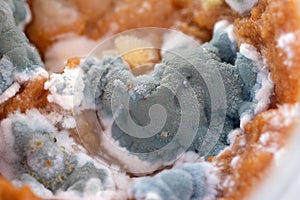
[(132, 14), (269, 20), (119, 16), (31, 95), (195, 18), (46, 24), (9, 192), (255, 155), (199, 17), (73, 63)]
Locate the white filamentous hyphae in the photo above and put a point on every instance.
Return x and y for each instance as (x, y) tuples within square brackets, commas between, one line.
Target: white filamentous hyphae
[(63, 87)]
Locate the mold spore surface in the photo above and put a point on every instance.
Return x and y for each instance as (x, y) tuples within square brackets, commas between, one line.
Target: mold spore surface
[(34, 149), (181, 79), (17, 56), (191, 181)]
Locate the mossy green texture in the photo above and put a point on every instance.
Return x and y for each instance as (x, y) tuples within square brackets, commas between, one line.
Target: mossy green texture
[(187, 182), (181, 85), (50, 164), (15, 49)]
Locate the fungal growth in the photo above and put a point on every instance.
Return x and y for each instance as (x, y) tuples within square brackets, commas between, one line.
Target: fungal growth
[(31, 140), (148, 107), (189, 102), (190, 181), (16, 54)]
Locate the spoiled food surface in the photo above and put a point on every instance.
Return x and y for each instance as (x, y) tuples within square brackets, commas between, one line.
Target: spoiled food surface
[(262, 137), (273, 28), (171, 84), (9, 192), (98, 19), (249, 159), (19, 62), (192, 181), (36, 149), (14, 44)]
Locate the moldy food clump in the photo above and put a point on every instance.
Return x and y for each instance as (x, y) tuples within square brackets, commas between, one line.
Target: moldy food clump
[(181, 85)]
